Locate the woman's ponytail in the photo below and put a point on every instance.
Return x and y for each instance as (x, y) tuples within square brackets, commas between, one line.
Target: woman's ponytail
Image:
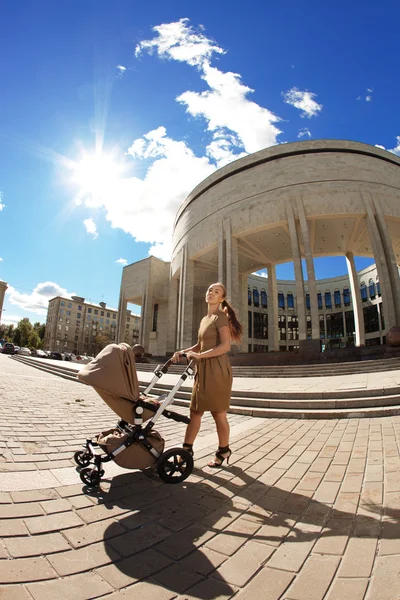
[(235, 326)]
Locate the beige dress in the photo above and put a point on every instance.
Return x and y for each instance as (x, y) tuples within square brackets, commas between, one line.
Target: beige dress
[(213, 380)]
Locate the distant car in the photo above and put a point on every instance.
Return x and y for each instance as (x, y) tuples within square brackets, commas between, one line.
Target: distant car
[(55, 355), (25, 352), (16, 349), (39, 353), (8, 348)]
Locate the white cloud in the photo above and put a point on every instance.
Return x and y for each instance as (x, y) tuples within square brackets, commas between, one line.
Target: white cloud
[(90, 224), (304, 132), (261, 273), (7, 319), (1, 260), (396, 150), (225, 106), (304, 101), (120, 70), (146, 207), (179, 41), (1, 204), (122, 261), (38, 299)]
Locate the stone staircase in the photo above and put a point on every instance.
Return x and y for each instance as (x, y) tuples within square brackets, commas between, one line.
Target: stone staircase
[(336, 404)]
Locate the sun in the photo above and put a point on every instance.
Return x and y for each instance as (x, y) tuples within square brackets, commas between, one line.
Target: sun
[(96, 175)]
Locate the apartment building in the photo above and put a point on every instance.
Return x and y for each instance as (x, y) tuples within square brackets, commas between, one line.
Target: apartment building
[(74, 325)]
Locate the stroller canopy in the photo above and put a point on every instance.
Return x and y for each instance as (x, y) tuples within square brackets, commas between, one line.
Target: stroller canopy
[(113, 370)]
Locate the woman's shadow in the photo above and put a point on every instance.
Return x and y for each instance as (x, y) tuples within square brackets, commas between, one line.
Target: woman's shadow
[(177, 536)]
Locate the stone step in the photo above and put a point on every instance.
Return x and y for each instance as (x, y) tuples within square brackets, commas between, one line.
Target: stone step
[(335, 404)]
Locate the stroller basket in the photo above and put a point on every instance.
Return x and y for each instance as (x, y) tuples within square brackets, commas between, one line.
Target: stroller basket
[(133, 443)]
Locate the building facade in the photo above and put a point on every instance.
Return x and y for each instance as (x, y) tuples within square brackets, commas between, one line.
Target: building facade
[(79, 327), (292, 202)]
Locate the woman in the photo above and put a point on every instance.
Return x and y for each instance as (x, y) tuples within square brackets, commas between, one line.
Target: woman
[(213, 380)]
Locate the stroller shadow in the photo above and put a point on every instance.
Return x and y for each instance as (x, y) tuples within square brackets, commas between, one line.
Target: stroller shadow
[(160, 527)]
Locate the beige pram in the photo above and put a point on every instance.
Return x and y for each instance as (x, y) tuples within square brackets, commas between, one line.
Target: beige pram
[(133, 443)]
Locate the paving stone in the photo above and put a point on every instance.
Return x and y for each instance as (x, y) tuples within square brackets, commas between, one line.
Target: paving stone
[(327, 492), (50, 523), (55, 506), (177, 579), (12, 528), (95, 532), (19, 511), (243, 565), (132, 569), (144, 590), (358, 558), (36, 545), (203, 561), (83, 559), (268, 584), (390, 542), (385, 584), (318, 569), (34, 495), (23, 570), (217, 590), (14, 592), (81, 587), (353, 589), (294, 551)]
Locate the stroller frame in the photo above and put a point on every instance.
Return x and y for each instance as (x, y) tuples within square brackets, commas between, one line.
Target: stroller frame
[(173, 465)]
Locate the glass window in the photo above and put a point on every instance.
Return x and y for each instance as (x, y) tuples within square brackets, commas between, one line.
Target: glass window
[(319, 295), (155, 317), (264, 300), (290, 300), (328, 300), (346, 296), (69, 313), (79, 306), (282, 327), (78, 316), (96, 312), (248, 296), (378, 287), (108, 315), (321, 327), (337, 298), (102, 313), (89, 310), (250, 320), (61, 311), (114, 316), (69, 304), (281, 301), (371, 289), (260, 326), (308, 305), (256, 297), (364, 292), (62, 303)]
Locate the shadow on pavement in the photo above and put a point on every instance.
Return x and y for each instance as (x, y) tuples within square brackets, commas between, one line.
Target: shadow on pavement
[(160, 527)]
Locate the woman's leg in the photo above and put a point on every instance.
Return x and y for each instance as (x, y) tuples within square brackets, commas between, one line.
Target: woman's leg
[(222, 425), (193, 428)]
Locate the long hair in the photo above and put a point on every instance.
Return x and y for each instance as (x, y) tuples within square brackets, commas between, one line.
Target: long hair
[(235, 326)]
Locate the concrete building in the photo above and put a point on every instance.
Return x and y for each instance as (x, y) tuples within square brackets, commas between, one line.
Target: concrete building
[(3, 288), (291, 202), (80, 327)]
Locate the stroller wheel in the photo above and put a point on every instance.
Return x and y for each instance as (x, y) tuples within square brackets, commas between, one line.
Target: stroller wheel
[(175, 465), (91, 477), (82, 458)]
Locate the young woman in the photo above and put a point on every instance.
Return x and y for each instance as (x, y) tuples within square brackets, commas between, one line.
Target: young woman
[(213, 380)]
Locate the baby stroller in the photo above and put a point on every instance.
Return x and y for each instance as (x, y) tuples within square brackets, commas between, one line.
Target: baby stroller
[(133, 443)]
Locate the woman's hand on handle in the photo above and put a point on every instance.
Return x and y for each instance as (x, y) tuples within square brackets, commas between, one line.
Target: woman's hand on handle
[(193, 355)]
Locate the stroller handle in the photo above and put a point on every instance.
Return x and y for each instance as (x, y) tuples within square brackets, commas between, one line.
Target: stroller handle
[(166, 366)]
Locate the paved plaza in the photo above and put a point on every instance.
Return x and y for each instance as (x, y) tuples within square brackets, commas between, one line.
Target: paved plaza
[(308, 509)]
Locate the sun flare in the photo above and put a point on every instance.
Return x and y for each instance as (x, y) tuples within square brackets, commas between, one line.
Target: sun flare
[(96, 175)]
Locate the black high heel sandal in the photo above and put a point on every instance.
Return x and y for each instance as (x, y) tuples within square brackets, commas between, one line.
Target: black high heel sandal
[(219, 455), (188, 448)]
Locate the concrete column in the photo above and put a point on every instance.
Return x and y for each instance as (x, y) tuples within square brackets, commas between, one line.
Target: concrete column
[(173, 293), (273, 333), (344, 324), (390, 256), (298, 272), (243, 312), (180, 298), (3, 288), (147, 301), (378, 307), (312, 283), (187, 305), (232, 266), (121, 324), (221, 253), (381, 263), (356, 300)]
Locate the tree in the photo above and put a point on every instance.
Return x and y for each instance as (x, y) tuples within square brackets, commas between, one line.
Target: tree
[(25, 328), (34, 340), (40, 329)]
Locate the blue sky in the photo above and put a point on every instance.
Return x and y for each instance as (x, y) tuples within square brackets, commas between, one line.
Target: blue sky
[(110, 113)]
